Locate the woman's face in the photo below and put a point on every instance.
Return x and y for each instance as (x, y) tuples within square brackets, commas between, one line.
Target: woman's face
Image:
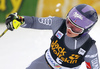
[(72, 29), (70, 33)]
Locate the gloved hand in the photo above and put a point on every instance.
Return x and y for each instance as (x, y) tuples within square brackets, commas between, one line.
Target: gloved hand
[(13, 21)]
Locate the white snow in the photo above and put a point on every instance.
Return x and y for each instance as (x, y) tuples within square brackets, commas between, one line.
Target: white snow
[(20, 47)]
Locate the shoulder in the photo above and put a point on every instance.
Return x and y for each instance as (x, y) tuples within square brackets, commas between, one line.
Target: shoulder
[(56, 23), (93, 48), (92, 52)]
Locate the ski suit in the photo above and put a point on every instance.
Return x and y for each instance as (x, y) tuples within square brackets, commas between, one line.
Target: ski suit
[(64, 52)]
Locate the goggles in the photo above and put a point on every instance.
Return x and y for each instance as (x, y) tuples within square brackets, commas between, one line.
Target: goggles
[(73, 27)]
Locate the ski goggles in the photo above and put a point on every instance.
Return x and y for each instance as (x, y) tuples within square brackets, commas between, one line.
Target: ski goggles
[(73, 27)]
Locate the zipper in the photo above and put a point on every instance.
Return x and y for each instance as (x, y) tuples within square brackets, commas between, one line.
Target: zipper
[(75, 44)]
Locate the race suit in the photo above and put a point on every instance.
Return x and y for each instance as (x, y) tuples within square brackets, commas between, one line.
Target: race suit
[(64, 52)]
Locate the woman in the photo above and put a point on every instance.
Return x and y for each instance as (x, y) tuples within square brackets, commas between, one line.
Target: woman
[(70, 44)]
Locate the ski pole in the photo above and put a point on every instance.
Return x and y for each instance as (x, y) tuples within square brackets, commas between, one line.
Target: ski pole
[(3, 33)]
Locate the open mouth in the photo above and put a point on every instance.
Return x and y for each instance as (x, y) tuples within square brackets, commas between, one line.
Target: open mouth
[(68, 32)]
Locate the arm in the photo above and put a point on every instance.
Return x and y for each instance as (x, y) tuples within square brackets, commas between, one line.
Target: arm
[(91, 58), (14, 21), (37, 23), (42, 23)]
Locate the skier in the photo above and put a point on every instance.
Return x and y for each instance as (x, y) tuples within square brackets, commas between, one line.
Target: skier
[(70, 44)]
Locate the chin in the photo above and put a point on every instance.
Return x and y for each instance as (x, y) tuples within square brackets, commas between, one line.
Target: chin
[(70, 35)]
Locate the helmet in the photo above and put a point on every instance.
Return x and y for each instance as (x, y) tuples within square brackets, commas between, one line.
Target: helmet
[(84, 16)]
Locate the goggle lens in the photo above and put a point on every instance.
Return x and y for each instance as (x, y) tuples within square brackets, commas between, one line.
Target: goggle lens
[(74, 28)]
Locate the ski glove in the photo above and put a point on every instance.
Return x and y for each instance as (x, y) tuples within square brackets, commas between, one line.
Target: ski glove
[(13, 21)]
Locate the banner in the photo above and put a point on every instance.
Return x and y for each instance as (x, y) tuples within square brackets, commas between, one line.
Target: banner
[(42, 8), (23, 7), (60, 8)]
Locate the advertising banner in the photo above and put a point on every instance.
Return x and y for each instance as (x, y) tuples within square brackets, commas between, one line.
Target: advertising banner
[(42, 8)]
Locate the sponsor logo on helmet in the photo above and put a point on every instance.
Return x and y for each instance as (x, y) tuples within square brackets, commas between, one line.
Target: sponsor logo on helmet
[(76, 15)]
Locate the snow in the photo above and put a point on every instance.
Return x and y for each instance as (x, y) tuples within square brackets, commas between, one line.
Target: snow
[(20, 47)]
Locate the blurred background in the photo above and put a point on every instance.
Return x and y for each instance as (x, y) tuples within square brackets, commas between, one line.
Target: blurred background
[(20, 47), (42, 8)]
